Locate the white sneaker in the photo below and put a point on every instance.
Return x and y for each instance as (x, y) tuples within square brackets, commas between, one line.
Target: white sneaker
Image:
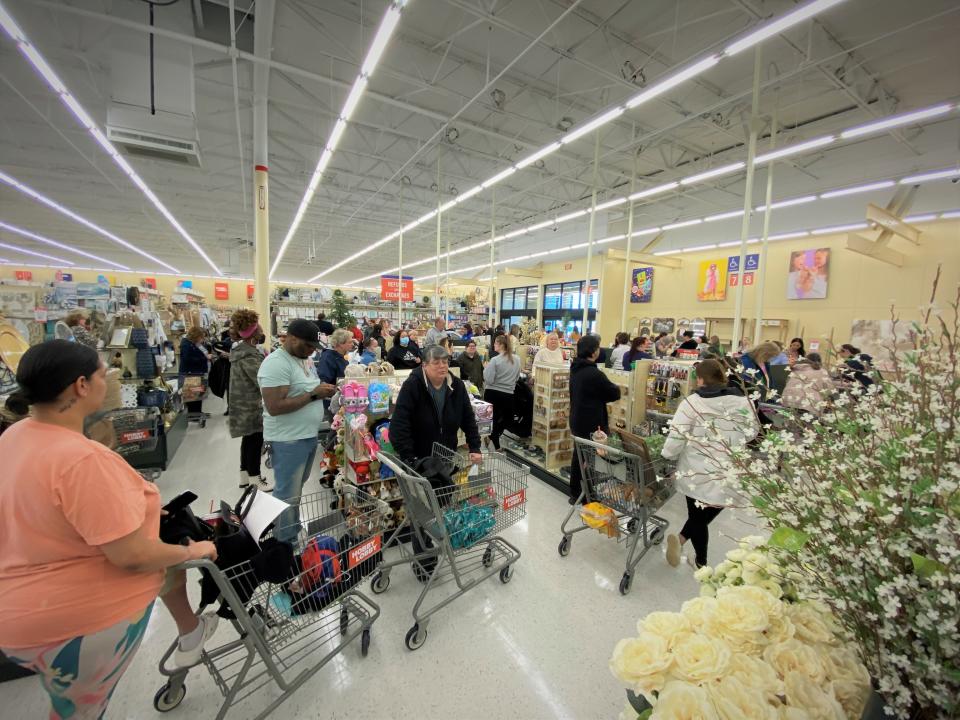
[(261, 483), (188, 658), (673, 550)]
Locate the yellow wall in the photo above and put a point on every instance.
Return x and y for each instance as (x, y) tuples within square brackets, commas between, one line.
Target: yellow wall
[(859, 287)]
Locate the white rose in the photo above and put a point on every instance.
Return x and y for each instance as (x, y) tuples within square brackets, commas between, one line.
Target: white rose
[(757, 595), (772, 587), (792, 656), (806, 694), (736, 699), (723, 568), (736, 555), (851, 680), (809, 623), (790, 713), (737, 618), (780, 630), (757, 674), (704, 573), (708, 591), (699, 658), (665, 624), (752, 541), (697, 609), (683, 701), (641, 663), (755, 559)]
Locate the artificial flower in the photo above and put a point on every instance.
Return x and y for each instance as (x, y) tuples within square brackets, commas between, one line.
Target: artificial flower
[(804, 693), (699, 657), (683, 701), (641, 663), (739, 699)]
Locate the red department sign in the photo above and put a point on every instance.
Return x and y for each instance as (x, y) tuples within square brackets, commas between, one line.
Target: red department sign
[(391, 288)]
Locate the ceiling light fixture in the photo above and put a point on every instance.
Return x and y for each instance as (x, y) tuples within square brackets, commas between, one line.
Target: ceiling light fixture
[(724, 216), (54, 205), (592, 125), (654, 190), (683, 224), (857, 189), (777, 26), (381, 39), (54, 243), (668, 83), (794, 149), (716, 172), (503, 174), (35, 254), (898, 121), (840, 229), (34, 57), (927, 177), (538, 155), (788, 203), (695, 248)]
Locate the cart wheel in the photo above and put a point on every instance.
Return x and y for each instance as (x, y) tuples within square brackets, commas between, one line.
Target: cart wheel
[(380, 583), (203, 422), (625, 583), (656, 537), (344, 621), (488, 557), (165, 700), (506, 574), (416, 637), (564, 547), (633, 525), (365, 642)]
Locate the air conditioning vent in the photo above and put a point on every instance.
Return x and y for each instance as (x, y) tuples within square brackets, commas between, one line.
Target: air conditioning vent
[(155, 147)]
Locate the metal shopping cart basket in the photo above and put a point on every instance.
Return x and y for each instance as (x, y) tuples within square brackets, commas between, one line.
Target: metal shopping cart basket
[(286, 632), (457, 527), (137, 429), (631, 488)]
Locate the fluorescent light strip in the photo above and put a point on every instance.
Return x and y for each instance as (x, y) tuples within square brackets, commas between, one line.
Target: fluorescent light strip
[(668, 83), (538, 155), (788, 203), (696, 248), (857, 189), (724, 216), (654, 190), (920, 218), (35, 254), (898, 121), (34, 57), (381, 39), (54, 243), (685, 223), (611, 203), (591, 125), (950, 215), (668, 252), (840, 229), (52, 204), (789, 235), (794, 149), (716, 172), (777, 26), (927, 177)]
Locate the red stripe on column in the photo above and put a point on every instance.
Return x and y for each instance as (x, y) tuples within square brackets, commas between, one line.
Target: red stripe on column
[(260, 167)]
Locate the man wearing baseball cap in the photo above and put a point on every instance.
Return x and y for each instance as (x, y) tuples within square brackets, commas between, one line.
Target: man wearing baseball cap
[(292, 413)]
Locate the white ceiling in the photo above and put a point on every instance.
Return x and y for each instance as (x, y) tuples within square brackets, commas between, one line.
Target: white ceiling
[(860, 60)]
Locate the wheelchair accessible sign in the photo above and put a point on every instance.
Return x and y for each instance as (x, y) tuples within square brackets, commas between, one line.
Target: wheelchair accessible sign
[(751, 263)]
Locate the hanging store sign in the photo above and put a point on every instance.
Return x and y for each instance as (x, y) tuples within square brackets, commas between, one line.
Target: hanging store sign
[(221, 291), (24, 275), (392, 288), (249, 291)]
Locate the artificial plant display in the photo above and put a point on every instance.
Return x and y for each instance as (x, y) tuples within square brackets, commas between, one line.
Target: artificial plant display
[(340, 310)]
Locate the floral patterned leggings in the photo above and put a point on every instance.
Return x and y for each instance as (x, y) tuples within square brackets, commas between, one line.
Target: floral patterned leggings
[(81, 674)]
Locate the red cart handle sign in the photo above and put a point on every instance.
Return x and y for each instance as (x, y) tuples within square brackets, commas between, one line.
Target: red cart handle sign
[(134, 436), (517, 498), (364, 551)]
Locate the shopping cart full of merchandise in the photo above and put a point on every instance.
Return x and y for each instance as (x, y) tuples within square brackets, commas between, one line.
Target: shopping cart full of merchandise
[(621, 493), (195, 388), (284, 632), (137, 430), (456, 519)]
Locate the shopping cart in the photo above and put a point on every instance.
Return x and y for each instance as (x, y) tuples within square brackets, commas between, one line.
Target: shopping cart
[(457, 528), (287, 632), (137, 431), (195, 388), (632, 488)]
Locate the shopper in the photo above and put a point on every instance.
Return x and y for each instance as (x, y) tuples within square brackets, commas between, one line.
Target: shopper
[(404, 355), (796, 351), (79, 325), (333, 360), (499, 382), (439, 330), (246, 420), (689, 343), (808, 385), (323, 325), (715, 347), (356, 332), (664, 345), (640, 349), (471, 365), (857, 365), (781, 357), (369, 352), (514, 338), (292, 416), (550, 355), (708, 422), (756, 364), (82, 560), (466, 332), (194, 360), (431, 407), (447, 344), (621, 346), (590, 391)]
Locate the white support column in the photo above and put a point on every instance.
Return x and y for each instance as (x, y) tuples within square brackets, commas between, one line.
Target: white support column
[(436, 277), (263, 40), (626, 262), (593, 221), (492, 294), (747, 200), (764, 241), (400, 266)]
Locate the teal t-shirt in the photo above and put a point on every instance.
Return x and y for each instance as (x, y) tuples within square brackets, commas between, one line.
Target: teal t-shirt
[(281, 369)]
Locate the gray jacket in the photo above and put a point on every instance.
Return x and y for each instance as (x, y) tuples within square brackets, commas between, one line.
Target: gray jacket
[(246, 406), (501, 375)]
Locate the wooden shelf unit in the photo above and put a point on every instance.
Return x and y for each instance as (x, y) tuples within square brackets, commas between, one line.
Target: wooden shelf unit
[(551, 415)]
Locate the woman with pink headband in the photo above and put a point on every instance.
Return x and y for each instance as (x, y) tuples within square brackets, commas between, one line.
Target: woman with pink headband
[(246, 408)]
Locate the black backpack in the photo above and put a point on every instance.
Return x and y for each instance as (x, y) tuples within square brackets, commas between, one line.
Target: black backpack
[(219, 377)]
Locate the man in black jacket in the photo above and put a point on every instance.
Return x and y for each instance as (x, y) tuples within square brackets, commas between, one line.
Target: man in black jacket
[(590, 391), (688, 343), (431, 407)]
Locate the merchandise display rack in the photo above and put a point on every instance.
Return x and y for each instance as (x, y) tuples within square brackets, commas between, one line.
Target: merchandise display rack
[(551, 416), (668, 382), (621, 412)]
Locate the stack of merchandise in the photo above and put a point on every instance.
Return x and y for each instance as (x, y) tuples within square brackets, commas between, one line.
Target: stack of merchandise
[(483, 412)]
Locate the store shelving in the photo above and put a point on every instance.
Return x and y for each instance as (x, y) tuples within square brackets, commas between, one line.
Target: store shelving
[(551, 416)]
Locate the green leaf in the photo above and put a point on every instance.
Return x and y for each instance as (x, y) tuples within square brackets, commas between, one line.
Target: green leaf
[(924, 567), (788, 539), (952, 672), (645, 714)]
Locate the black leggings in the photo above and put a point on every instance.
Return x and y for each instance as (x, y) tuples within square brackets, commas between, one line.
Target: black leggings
[(695, 529), (502, 413), (251, 447)]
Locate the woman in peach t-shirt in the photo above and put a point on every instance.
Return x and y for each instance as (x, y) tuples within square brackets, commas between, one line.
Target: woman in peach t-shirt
[(81, 561)]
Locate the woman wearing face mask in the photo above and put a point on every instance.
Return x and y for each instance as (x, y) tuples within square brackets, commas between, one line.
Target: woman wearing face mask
[(82, 561), (404, 355)]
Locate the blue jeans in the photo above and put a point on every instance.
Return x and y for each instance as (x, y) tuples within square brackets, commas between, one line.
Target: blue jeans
[(292, 462)]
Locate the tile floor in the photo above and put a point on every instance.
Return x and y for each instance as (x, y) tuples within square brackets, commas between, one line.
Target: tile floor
[(534, 648)]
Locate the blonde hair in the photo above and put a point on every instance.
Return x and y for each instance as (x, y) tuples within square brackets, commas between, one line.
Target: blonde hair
[(340, 336), (764, 351), (74, 319), (195, 334), (504, 341)]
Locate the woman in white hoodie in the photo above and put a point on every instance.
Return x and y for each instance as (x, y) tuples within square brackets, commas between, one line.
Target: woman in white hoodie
[(708, 421)]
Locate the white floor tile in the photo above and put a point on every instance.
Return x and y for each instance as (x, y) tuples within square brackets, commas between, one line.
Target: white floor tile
[(536, 647)]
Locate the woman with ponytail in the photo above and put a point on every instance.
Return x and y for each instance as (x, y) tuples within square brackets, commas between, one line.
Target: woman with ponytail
[(81, 560)]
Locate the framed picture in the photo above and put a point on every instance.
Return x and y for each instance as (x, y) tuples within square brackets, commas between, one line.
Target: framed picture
[(118, 294), (120, 337), (808, 274), (641, 290), (663, 325), (712, 280)]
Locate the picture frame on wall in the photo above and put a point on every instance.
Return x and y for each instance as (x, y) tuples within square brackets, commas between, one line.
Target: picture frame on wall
[(120, 337), (118, 294), (664, 325)]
